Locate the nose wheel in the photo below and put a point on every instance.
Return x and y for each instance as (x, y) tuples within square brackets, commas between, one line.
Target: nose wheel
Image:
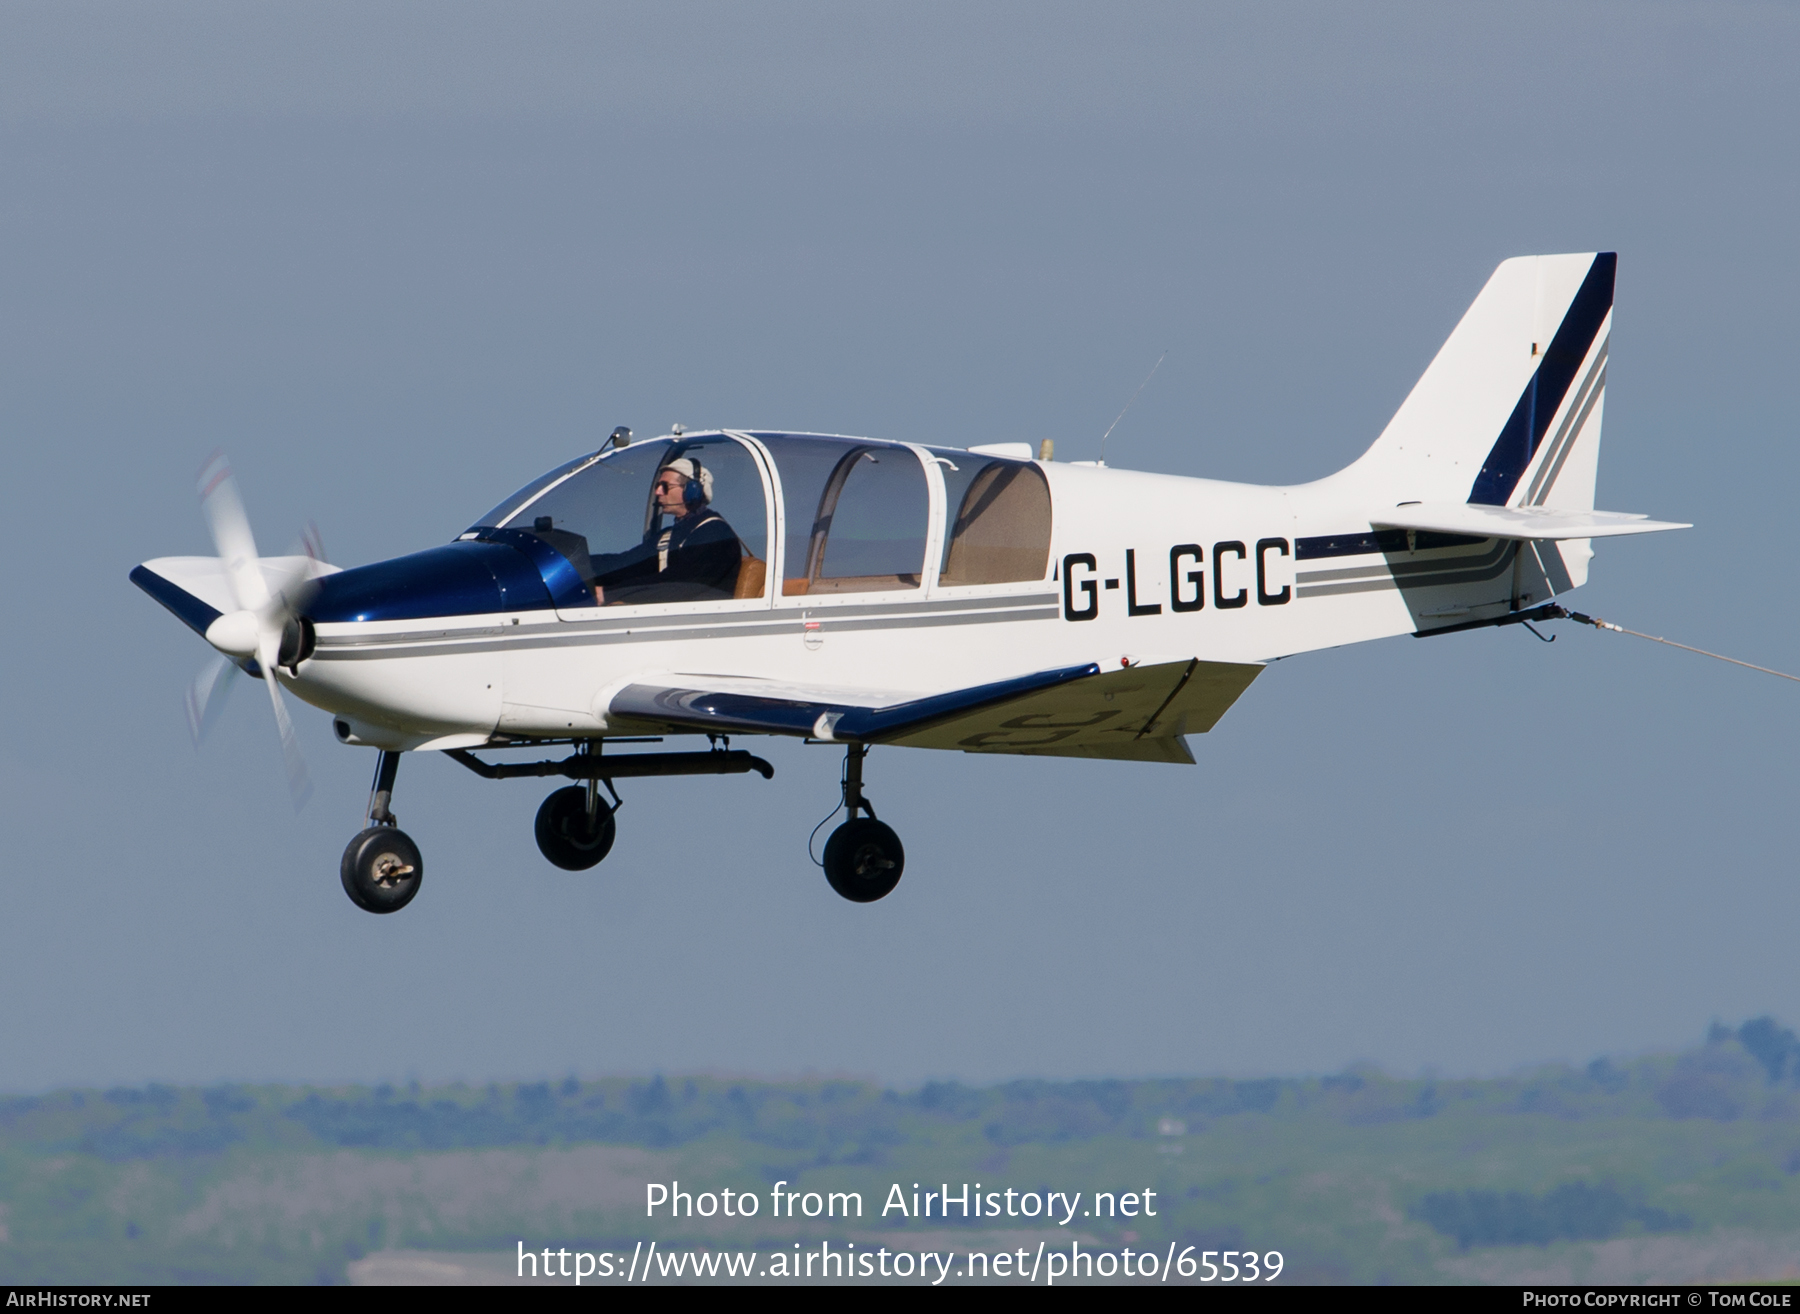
[(863, 857), (382, 868)]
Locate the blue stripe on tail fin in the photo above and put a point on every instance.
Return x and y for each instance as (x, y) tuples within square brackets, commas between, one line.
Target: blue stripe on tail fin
[(1543, 395)]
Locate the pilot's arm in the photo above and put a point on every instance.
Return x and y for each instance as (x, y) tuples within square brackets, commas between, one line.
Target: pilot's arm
[(619, 570), (694, 560)]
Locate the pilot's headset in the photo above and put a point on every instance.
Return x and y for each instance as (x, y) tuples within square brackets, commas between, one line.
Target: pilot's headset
[(698, 489)]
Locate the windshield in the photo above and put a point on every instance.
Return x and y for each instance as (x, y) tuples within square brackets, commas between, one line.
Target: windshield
[(682, 520), (498, 515)]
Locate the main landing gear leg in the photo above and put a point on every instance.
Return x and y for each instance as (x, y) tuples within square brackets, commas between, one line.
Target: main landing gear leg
[(863, 857), (382, 868), (575, 826)]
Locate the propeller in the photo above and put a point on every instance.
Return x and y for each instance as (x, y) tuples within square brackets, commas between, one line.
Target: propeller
[(264, 626), (207, 694)]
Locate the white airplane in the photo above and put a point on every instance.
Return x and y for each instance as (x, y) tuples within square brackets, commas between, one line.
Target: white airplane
[(922, 596)]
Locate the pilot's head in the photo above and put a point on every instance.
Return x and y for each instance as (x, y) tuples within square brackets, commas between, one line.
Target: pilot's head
[(671, 487)]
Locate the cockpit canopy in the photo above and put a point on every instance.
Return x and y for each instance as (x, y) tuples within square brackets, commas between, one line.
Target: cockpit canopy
[(691, 518)]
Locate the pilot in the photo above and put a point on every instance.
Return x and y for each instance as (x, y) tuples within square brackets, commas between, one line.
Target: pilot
[(690, 553)]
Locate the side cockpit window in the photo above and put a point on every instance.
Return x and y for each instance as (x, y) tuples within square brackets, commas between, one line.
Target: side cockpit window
[(857, 515), (999, 529)]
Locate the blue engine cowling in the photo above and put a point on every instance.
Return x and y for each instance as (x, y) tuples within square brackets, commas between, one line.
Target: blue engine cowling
[(466, 578)]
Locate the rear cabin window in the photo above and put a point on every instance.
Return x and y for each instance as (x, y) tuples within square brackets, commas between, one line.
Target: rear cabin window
[(999, 530), (857, 514)]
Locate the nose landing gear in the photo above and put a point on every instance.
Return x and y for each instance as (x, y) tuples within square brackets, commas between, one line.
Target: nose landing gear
[(382, 868), (863, 857)]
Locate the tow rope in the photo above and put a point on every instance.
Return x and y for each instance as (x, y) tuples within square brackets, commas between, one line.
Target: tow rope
[(1554, 612)]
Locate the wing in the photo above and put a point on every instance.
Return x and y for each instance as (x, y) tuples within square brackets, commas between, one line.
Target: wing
[(1135, 714)]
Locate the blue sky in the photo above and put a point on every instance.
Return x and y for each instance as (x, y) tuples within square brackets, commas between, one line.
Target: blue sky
[(397, 259)]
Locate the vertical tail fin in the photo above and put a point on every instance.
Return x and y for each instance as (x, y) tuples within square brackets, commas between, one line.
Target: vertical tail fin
[(1508, 413)]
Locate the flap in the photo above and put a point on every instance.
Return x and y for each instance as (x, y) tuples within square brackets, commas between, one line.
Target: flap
[(1520, 522), (1138, 714)]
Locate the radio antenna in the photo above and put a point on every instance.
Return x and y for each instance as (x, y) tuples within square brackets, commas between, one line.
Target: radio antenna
[(1134, 396)]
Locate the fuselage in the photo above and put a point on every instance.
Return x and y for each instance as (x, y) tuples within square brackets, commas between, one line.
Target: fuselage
[(1121, 567)]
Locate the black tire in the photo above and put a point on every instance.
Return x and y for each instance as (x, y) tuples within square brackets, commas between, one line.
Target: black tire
[(382, 870), (864, 859), (565, 834)]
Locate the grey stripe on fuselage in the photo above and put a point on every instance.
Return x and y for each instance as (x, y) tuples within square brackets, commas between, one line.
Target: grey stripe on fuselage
[(758, 623), (1432, 566), (1348, 572), (1421, 575), (908, 605)]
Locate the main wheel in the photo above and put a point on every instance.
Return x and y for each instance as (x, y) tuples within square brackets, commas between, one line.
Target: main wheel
[(864, 859), (382, 870), (568, 836)]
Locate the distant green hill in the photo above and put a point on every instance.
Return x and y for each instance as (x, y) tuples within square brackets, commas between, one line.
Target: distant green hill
[(1676, 1166)]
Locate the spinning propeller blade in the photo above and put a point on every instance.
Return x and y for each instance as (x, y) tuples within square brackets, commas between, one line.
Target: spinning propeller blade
[(262, 617), (299, 782), (231, 535), (206, 696)]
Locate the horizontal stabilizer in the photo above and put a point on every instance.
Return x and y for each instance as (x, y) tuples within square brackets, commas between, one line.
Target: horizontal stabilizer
[(1528, 522)]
